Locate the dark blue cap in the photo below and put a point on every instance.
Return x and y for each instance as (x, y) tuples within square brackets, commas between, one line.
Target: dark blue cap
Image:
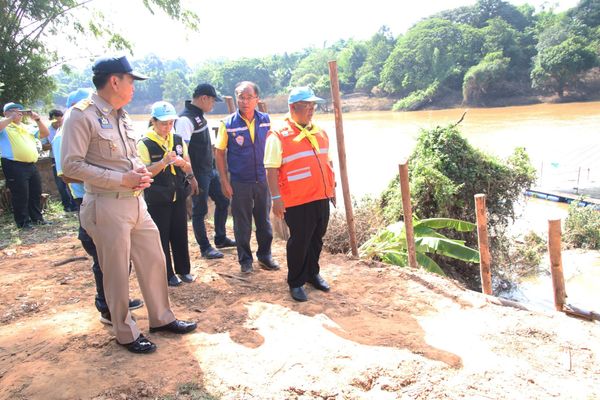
[(114, 65)]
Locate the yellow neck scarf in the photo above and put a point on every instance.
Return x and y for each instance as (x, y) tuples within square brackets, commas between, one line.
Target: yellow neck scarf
[(165, 144), (307, 132)]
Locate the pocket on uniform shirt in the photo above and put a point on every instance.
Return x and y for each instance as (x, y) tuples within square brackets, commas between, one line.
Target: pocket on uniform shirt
[(105, 144)]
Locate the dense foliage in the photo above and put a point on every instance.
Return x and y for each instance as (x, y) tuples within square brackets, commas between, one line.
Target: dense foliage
[(446, 172), (28, 29), (582, 227), (485, 52)]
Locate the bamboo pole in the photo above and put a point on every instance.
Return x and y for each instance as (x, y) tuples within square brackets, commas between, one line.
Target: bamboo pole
[(556, 268), (407, 211), (229, 103), (339, 130), (484, 248)]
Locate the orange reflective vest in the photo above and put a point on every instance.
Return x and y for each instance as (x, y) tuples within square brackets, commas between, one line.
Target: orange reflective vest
[(305, 174)]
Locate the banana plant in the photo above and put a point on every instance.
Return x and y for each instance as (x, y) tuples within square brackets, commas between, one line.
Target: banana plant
[(389, 244)]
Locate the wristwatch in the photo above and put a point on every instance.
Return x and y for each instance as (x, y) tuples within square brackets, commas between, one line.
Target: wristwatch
[(189, 176)]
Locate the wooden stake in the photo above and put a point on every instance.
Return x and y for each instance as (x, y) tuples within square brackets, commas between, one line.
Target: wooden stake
[(230, 104), (339, 130), (262, 107), (484, 248), (558, 279), (407, 211)]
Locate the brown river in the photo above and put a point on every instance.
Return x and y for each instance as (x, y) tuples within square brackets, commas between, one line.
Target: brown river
[(562, 140)]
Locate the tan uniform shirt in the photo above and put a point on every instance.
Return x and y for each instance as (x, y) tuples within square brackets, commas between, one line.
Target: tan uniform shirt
[(99, 146)]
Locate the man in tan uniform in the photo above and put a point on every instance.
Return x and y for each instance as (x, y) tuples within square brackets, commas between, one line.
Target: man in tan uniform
[(99, 149)]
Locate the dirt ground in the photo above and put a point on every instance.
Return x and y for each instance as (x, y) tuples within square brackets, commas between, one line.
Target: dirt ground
[(381, 333)]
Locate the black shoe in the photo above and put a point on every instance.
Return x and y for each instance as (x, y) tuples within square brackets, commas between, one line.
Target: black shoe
[(176, 326), (187, 278), (298, 294), (141, 345), (247, 268), (319, 283), (211, 254), (174, 281), (26, 226), (226, 243), (105, 318), (134, 304), (268, 263)]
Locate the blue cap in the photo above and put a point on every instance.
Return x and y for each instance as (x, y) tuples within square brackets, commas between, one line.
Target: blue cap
[(303, 93), (13, 106), (163, 111), (115, 65), (77, 95)]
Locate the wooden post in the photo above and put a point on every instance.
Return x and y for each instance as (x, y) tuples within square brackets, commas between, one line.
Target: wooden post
[(339, 130), (230, 104), (558, 279), (262, 107), (484, 247), (407, 211)]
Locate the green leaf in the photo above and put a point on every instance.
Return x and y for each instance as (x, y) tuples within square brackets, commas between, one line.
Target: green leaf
[(450, 223), (429, 264), (448, 248)]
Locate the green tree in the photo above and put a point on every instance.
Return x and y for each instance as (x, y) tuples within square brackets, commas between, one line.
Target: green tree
[(587, 11), (481, 79), (432, 50), (175, 87), (313, 70), (28, 25), (379, 48), (556, 68), (350, 59)]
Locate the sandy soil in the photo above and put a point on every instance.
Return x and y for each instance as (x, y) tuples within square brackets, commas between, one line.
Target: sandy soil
[(381, 333)]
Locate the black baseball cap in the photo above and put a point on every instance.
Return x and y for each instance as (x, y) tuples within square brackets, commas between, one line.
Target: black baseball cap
[(205, 89), (115, 65)]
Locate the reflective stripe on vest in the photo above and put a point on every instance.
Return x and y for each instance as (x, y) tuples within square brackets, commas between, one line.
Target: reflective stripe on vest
[(305, 175)]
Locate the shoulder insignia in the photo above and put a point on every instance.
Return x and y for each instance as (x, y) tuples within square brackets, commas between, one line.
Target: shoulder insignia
[(83, 104)]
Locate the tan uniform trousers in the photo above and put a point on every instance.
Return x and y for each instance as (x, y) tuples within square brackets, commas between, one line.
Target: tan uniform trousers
[(123, 230)]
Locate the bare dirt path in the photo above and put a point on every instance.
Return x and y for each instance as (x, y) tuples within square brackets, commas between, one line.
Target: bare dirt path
[(381, 333)]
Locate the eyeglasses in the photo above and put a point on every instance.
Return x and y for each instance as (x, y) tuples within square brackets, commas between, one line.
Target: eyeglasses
[(247, 99), (306, 105)]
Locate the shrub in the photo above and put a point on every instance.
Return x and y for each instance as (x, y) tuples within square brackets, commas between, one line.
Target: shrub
[(445, 173), (417, 99), (582, 227), (367, 221)]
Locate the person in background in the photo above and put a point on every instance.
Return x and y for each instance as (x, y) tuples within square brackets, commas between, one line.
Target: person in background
[(193, 128), (241, 138), (166, 157), (302, 184), (77, 191), (56, 120), (19, 154), (99, 149)]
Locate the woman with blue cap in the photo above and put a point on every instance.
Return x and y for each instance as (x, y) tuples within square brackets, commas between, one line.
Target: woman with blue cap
[(165, 155)]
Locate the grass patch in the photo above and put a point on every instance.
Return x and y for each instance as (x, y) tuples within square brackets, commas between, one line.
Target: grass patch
[(62, 224), (190, 391)]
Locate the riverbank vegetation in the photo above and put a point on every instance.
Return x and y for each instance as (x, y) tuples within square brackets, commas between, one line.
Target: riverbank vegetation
[(582, 227), (445, 174), (488, 54)]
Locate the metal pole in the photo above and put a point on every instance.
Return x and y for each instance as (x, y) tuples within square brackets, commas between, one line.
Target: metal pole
[(339, 130)]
